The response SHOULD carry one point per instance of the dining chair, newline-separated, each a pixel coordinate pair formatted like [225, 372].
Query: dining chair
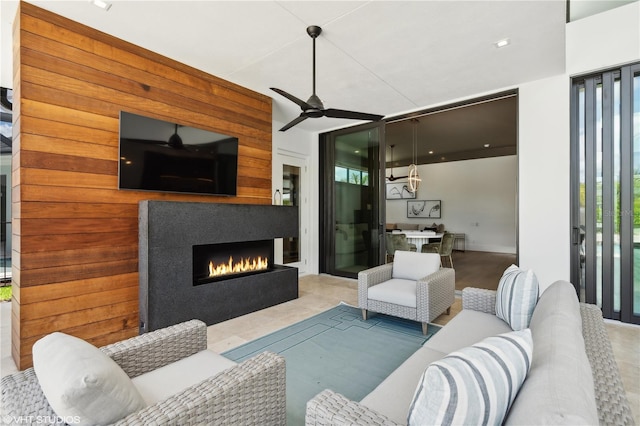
[444, 247]
[398, 242]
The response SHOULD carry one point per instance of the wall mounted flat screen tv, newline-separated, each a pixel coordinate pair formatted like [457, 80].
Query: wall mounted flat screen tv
[157, 155]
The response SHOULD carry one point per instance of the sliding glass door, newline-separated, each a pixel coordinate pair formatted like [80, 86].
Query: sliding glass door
[606, 191]
[351, 194]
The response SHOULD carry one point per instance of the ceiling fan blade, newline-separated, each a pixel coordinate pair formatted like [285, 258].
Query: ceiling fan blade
[302, 104]
[340, 113]
[292, 123]
[393, 178]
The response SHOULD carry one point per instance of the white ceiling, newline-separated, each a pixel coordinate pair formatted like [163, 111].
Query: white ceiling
[381, 57]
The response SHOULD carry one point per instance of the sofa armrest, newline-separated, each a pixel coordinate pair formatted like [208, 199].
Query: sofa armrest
[435, 293]
[22, 396]
[611, 400]
[371, 277]
[149, 351]
[331, 408]
[479, 299]
[252, 392]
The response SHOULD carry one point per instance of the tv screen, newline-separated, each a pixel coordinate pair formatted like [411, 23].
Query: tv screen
[157, 155]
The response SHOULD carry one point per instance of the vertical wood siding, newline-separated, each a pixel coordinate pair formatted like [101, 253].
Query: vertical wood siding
[75, 235]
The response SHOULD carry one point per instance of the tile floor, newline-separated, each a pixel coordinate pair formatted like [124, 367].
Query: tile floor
[321, 292]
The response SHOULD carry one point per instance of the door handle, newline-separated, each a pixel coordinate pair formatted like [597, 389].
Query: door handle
[575, 235]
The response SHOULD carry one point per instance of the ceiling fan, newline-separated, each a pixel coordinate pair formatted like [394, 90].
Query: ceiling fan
[313, 107]
[391, 177]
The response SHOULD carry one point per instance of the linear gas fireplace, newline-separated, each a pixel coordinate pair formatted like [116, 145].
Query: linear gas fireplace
[217, 262]
[211, 261]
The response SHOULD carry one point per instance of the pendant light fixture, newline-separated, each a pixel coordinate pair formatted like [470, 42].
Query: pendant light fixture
[414, 178]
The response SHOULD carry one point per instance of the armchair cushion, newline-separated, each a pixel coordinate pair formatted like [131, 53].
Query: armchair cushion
[82, 382]
[475, 385]
[516, 297]
[396, 290]
[413, 265]
[160, 384]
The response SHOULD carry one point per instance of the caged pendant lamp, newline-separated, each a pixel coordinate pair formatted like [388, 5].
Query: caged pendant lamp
[414, 177]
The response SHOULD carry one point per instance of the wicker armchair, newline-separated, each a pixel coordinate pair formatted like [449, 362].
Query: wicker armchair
[252, 392]
[433, 293]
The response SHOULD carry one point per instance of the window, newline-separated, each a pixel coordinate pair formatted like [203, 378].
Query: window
[353, 176]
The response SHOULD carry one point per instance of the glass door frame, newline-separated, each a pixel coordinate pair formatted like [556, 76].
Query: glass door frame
[283, 158]
[599, 267]
[627, 245]
[327, 231]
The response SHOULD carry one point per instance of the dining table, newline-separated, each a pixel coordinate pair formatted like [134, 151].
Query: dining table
[420, 237]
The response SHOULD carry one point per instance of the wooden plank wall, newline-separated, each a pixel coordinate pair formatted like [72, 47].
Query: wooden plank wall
[75, 235]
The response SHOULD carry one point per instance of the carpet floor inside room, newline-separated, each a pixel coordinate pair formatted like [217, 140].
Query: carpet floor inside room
[319, 293]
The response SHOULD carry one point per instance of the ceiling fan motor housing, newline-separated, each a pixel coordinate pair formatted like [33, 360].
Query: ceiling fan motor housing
[316, 103]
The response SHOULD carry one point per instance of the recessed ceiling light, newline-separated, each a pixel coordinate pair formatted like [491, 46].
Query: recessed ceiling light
[502, 43]
[430, 152]
[486, 145]
[357, 151]
[105, 5]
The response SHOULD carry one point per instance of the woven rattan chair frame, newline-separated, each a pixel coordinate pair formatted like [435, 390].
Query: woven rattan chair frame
[250, 393]
[434, 294]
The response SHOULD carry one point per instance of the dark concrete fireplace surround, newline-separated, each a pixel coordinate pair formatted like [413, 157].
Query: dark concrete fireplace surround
[167, 233]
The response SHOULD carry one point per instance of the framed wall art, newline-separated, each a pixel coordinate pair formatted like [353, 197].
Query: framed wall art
[425, 208]
[399, 191]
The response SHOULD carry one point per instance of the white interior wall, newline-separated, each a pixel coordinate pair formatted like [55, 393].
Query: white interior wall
[604, 40]
[543, 192]
[478, 199]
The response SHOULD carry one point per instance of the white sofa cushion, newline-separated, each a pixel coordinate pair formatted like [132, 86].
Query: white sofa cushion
[411, 265]
[393, 396]
[475, 385]
[81, 382]
[516, 297]
[396, 291]
[465, 329]
[559, 389]
[160, 384]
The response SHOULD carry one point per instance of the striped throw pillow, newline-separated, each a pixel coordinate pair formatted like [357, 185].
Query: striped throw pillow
[475, 385]
[516, 297]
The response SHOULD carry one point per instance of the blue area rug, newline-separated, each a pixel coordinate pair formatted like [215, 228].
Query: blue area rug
[337, 350]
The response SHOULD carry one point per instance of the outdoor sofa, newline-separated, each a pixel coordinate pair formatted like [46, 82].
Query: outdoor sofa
[573, 377]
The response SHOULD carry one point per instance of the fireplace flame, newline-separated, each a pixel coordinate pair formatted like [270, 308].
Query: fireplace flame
[236, 267]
